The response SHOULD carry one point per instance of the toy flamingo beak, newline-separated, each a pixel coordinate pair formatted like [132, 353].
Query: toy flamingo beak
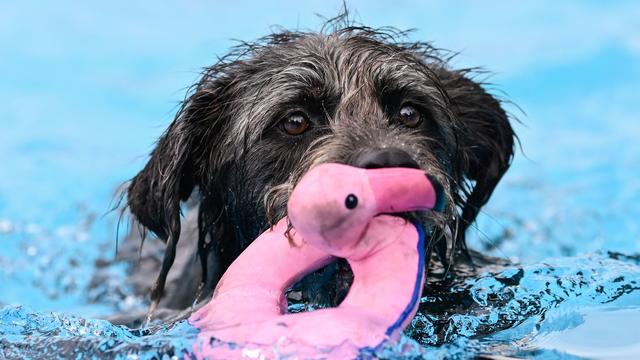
[405, 189]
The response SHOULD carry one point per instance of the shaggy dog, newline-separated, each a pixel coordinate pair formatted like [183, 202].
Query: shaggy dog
[270, 110]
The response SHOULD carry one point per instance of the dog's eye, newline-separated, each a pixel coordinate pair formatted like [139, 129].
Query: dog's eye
[410, 116]
[296, 123]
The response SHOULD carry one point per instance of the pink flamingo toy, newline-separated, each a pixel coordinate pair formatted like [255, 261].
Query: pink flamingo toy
[336, 211]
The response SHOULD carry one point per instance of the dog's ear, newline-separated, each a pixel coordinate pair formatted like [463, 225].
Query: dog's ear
[154, 195]
[486, 141]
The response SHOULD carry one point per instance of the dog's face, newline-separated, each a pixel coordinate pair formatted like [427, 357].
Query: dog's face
[268, 112]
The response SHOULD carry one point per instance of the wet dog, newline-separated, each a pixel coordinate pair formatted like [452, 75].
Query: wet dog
[270, 110]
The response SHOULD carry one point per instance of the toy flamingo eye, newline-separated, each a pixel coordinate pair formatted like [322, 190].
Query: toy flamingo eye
[351, 202]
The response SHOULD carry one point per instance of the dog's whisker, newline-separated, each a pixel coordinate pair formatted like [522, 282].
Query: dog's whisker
[493, 244]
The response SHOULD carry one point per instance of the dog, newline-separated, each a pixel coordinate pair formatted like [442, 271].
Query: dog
[270, 110]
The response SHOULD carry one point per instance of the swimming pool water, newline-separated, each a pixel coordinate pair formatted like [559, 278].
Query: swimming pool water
[86, 89]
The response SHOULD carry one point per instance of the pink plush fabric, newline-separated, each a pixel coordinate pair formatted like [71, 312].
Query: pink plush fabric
[248, 307]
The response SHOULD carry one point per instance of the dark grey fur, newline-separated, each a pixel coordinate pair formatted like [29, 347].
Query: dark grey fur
[227, 151]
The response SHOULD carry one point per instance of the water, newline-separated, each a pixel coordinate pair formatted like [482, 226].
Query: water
[86, 89]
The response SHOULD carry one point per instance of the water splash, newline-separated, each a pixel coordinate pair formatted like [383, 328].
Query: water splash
[511, 311]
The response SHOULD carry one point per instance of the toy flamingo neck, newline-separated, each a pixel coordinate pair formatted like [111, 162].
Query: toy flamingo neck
[396, 269]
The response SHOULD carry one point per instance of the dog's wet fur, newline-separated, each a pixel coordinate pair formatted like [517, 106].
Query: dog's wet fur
[268, 111]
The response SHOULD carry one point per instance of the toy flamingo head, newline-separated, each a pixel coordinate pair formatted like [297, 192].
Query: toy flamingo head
[333, 204]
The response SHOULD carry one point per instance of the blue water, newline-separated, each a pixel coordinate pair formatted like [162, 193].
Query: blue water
[85, 89]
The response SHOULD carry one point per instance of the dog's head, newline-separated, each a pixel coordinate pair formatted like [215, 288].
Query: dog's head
[266, 113]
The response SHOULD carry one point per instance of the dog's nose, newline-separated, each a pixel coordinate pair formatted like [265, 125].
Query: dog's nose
[385, 158]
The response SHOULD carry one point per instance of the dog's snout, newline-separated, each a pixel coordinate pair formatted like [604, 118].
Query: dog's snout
[385, 158]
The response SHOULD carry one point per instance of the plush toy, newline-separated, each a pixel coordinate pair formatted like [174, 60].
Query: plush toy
[336, 211]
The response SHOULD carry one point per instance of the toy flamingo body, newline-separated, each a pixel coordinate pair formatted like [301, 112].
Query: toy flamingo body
[336, 211]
